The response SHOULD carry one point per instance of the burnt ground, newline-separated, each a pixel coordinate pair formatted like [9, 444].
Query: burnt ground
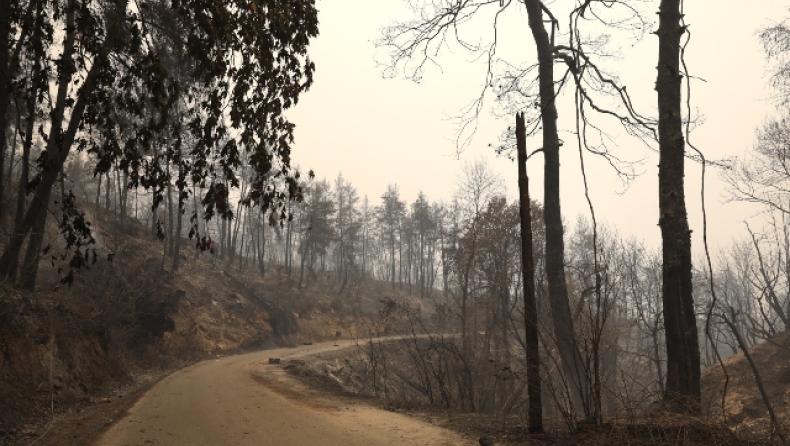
[734, 383]
[656, 429]
[67, 353]
[83, 423]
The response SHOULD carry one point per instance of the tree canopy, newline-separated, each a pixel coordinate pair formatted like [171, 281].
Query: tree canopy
[201, 84]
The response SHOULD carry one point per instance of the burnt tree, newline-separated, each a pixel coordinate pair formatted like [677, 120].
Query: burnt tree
[682, 391]
[528, 274]
[555, 244]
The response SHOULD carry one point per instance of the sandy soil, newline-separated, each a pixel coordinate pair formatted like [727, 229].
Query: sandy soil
[244, 400]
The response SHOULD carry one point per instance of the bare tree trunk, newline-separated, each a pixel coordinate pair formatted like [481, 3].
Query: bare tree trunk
[304, 257]
[392, 250]
[241, 225]
[528, 277]
[170, 217]
[421, 264]
[195, 194]
[555, 245]
[288, 260]
[262, 244]
[9, 174]
[98, 191]
[107, 190]
[58, 147]
[5, 83]
[122, 194]
[223, 236]
[21, 197]
[30, 263]
[177, 234]
[683, 357]
[9, 64]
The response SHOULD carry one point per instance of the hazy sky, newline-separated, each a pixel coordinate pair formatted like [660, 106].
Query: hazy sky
[379, 131]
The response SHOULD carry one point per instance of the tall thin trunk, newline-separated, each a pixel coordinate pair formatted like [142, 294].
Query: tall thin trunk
[233, 234]
[392, 249]
[169, 245]
[421, 265]
[30, 263]
[264, 223]
[242, 226]
[180, 206]
[123, 193]
[154, 204]
[555, 245]
[682, 391]
[21, 196]
[58, 147]
[107, 191]
[444, 265]
[304, 257]
[10, 172]
[222, 223]
[177, 235]
[9, 64]
[98, 191]
[5, 86]
[196, 206]
[288, 235]
[262, 247]
[408, 259]
[528, 281]
[400, 257]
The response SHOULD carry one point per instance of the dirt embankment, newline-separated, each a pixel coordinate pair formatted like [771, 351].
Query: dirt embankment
[129, 322]
[744, 409]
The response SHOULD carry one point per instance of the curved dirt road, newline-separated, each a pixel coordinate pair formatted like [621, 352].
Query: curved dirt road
[242, 400]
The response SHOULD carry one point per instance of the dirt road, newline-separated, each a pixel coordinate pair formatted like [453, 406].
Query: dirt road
[243, 400]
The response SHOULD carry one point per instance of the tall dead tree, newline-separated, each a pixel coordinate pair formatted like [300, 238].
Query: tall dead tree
[5, 85]
[528, 275]
[555, 244]
[682, 391]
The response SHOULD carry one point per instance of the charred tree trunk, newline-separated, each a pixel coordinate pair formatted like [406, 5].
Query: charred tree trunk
[304, 257]
[30, 263]
[528, 276]
[5, 87]
[123, 193]
[555, 245]
[177, 236]
[392, 252]
[107, 191]
[288, 235]
[262, 247]
[170, 216]
[58, 147]
[241, 227]
[222, 223]
[682, 391]
[21, 197]
[98, 191]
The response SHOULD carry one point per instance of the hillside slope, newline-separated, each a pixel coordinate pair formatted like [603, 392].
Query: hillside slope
[129, 319]
[744, 408]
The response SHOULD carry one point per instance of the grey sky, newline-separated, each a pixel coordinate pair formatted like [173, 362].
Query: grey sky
[379, 131]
